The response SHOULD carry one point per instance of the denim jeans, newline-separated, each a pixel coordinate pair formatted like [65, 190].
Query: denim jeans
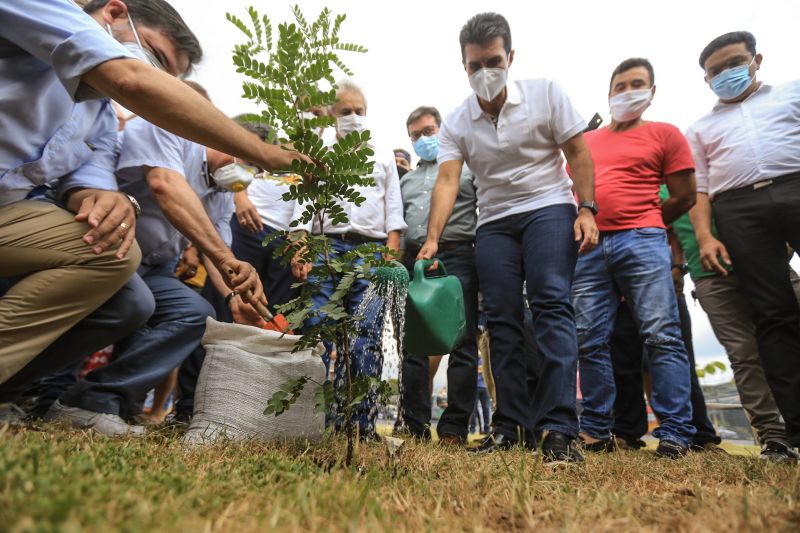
[367, 357]
[57, 366]
[635, 264]
[462, 366]
[482, 413]
[142, 360]
[538, 247]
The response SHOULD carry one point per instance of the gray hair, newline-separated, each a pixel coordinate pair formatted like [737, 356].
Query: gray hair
[347, 85]
[424, 111]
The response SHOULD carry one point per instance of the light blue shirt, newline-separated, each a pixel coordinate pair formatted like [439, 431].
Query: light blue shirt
[55, 132]
[147, 146]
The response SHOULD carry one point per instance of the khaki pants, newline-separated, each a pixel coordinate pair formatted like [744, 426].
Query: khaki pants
[62, 279]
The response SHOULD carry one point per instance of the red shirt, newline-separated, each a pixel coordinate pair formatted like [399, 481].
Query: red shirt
[629, 167]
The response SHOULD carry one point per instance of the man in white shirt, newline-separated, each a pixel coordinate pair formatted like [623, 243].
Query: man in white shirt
[512, 136]
[747, 159]
[378, 219]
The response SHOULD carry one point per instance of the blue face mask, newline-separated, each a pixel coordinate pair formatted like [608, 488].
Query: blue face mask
[730, 84]
[427, 148]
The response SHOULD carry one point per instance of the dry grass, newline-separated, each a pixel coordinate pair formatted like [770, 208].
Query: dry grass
[62, 480]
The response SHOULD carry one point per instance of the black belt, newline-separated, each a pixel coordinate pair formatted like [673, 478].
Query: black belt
[747, 189]
[353, 237]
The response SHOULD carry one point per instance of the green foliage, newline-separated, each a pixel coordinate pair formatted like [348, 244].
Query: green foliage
[711, 368]
[285, 79]
[286, 396]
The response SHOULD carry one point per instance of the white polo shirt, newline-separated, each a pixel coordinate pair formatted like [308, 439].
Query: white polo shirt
[736, 145]
[518, 165]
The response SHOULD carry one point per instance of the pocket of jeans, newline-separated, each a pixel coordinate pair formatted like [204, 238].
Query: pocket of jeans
[650, 232]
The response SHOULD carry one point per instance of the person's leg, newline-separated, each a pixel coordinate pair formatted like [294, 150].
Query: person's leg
[550, 254]
[596, 303]
[498, 257]
[64, 281]
[731, 320]
[125, 312]
[705, 428]
[462, 366]
[630, 408]
[641, 264]
[416, 396]
[145, 358]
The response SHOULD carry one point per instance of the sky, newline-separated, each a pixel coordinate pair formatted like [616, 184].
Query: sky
[414, 59]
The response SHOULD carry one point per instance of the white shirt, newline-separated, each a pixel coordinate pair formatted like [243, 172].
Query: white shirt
[518, 165]
[382, 210]
[740, 144]
[147, 146]
[267, 197]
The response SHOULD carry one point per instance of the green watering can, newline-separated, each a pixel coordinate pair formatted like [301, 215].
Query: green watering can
[435, 319]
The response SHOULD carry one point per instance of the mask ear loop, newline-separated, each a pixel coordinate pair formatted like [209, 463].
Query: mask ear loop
[135, 33]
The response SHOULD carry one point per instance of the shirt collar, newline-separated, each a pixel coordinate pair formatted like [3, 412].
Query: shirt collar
[513, 97]
[762, 89]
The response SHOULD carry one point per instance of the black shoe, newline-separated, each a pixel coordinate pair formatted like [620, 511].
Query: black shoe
[558, 448]
[628, 444]
[775, 452]
[493, 443]
[602, 445]
[668, 449]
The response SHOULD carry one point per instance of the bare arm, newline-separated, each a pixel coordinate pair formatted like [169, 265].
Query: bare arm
[242, 312]
[711, 249]
[183, 209]
[443, 198]
[169, 103]
[682, 195]
[580, 161]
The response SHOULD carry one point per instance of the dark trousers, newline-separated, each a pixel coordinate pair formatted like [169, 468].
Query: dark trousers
[57, 365]
[538, 247]
[277, 280]
[755, 225]
[462, 367]
[630, 410]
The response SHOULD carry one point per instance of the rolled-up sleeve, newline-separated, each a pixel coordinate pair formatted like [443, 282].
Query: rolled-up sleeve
[98, 171]
[394, 200]
[59, 34]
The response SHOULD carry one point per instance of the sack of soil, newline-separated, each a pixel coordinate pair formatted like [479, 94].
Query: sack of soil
[243, 368]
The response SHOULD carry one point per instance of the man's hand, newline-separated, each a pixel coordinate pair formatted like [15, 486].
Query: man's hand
[189, 263]
[393, 243]
[586, 231]
[111, 216]
[275, 157]
[243, 279]
[677, 279]
[245, 313]
[246, 213]
[710, 251]
[300, 268]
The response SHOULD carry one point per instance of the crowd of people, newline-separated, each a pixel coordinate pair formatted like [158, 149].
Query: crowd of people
[129, 231]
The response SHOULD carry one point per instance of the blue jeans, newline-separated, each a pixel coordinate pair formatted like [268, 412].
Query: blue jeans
[462, 366]
[634, 264]
[367, 357]
[142, 360]
[537, 247]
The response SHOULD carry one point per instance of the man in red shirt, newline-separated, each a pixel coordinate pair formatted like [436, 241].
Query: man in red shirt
[632, 158]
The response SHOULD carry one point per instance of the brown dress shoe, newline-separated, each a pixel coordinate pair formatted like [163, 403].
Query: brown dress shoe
[450, 440]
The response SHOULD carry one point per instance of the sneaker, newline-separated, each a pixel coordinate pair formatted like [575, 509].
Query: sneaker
[777, 452]
[598, 446]
[709, 447]
[103, 423]
[668, 449]
[558, 448]
[11, 414]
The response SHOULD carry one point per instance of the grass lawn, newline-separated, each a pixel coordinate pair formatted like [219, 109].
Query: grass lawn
[56, 479]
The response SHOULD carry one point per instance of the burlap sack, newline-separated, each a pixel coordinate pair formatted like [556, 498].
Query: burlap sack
[244, 367]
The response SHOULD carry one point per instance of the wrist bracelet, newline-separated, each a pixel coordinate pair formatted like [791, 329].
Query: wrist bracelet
[229, 297]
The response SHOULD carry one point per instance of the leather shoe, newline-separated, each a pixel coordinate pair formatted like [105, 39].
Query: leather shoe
[493, 443]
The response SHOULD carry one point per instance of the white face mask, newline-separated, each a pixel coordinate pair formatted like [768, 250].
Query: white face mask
[488, 82]
[139, 51]
[630, 105]
[234, 177]
[350, 123]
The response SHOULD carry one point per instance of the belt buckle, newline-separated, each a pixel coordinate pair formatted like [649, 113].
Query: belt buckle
[762, 184]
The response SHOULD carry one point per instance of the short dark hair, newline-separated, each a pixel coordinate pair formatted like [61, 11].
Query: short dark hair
[262, 130]
[423, 111]
[630, 63]
[734, 37]
[483, 28]
[158, 14]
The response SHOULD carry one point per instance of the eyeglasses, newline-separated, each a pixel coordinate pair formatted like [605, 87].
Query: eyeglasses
[427, 131]
[733, 62]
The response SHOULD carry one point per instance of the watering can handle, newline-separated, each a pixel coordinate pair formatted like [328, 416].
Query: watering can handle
[421, 267]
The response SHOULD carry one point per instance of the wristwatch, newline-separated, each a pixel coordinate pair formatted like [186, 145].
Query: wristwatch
[591, 205]
[683, 267]
[137, 209]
